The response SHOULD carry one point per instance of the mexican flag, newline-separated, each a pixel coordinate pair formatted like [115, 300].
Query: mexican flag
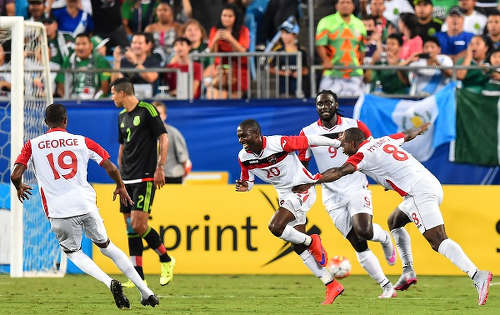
[478, 129]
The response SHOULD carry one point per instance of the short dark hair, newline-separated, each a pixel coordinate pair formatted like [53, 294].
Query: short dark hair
[81, 35]
[493, 12]
[398, 37]
[147, 36]
[410, 21]
[123, 85]
[250, 124]
[354, 135]
[432, 39]
[55, 114]
[369, 17]
[182, 39]
[327, 92]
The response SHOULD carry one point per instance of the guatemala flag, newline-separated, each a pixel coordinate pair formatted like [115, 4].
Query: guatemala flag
[385, 116]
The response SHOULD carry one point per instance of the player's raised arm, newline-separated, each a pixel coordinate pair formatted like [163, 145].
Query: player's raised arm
[120, 186]
[16, 178]
[411, 134]
[292, 143]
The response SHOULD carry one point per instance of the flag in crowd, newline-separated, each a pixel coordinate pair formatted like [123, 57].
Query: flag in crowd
[478, 129]
[385, 116]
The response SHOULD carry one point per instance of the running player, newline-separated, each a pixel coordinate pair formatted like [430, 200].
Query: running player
[60, 160]
[398, 170]
[273, 160]
[348, 200]
[140, 130]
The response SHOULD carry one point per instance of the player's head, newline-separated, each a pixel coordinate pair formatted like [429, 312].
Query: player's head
[351, 139]
[327, 104]
[120, 89]
[161, 108]
[56, 116]
[249, 135]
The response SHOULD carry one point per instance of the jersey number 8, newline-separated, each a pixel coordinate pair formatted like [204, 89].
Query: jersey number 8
[397, 155]
[66, 166]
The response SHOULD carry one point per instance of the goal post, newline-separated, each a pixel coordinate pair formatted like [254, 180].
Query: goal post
[34, 251]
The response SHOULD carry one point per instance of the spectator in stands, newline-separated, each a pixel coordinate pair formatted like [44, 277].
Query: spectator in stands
[207, 12]
[99, 45]
[455, 40]
[72, 19]
[276, 13]
[84, 85]
[412, 42]
[197, 35]
[442, 7]
[474, 22]
[108, 23]
[332, 35]
[373, 37]
[138, 56]
[136, 15]
[430, 81]
[60, 45]
[178, 86]
[50, 5]
[4, 74]
[492, 87]
[394, 8]
[230, 35]
[286, 66]
[36, 10]
[7, 7]
[427, 25]
[493, 27]
[389, 81]
[164, 31]
[178, 164]
[377, 8]
[476, 54]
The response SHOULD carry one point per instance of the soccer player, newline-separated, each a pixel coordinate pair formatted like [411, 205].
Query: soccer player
[398, 170]
[273, 160]
[348, 201]
[60, 159]
[140, 132]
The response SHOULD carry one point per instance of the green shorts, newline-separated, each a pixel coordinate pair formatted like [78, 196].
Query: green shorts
[142, 194]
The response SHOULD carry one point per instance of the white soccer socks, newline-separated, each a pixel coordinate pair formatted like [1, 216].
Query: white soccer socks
[403, 243]
[123, 263]
[370, 263]
[379, 235]
[451, 250]
[293, 236]
[321, 272]
[88, 266]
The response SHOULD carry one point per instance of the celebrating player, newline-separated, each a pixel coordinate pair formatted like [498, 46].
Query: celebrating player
[60, 159]
[398, 170]
[348, 200]
[273, 160]
[140, 129]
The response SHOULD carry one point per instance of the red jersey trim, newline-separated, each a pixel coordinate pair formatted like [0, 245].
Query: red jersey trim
[363, 143]
[56, 129]
[292, 143]
[94, 146]
[355, 159]
[315, 177]
[397, 189]
[364, 128]
[339, 121]
[267, 164]
[25, 155]
[139, 180]
[397, 136]
[303, 152]
[44, 202]
[244, 171]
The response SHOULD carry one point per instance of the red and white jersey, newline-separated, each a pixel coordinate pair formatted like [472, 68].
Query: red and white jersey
[390, 165]
[60, 162]
[277, 163]
[328, 157]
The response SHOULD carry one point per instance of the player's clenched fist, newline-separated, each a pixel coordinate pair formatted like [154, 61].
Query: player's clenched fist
[241, 185]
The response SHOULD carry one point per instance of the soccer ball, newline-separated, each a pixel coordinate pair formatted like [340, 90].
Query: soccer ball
[339, 266]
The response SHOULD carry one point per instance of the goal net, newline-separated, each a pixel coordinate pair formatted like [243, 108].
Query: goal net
[34, 250]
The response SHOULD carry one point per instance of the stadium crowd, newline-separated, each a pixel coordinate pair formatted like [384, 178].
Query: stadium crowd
[160, 34]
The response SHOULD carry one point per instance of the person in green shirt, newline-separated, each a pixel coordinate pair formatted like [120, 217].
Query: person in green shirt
[60, 45]
[492, 87]
[476, 54]
[85, 85]
[441, 7]
[137, 14]
[340, 40]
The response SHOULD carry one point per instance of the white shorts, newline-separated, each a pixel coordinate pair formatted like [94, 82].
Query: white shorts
[352, 86]
[298, 204]
[353, 203]
[422, 206]
[69, 230]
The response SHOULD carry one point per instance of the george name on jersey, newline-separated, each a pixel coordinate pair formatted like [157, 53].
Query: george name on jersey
[57, 143]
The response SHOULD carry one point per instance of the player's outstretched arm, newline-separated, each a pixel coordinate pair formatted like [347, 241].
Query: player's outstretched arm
[16, 177]
[120, 186]
[335, 173]
[411, 134]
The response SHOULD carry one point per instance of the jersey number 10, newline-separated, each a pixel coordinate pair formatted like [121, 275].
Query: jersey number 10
[73, 166]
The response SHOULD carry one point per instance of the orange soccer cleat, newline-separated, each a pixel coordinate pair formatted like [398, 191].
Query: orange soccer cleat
[333, 289]
[317, 250]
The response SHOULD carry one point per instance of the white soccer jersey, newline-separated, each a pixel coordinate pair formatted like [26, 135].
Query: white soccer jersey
[60, 163]
[328, 157]
[390, 165]
[277, 163]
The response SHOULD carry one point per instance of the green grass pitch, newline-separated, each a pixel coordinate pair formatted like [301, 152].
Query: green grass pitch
[225, 294]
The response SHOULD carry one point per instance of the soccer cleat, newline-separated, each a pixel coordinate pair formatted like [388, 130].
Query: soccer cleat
[389, 250]
[317, 250]
[388, 292]
[151, 300]
[120, 299]
[406, 280]
[482, 283]
[333, 289]
[167, 271]
[129, 284]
